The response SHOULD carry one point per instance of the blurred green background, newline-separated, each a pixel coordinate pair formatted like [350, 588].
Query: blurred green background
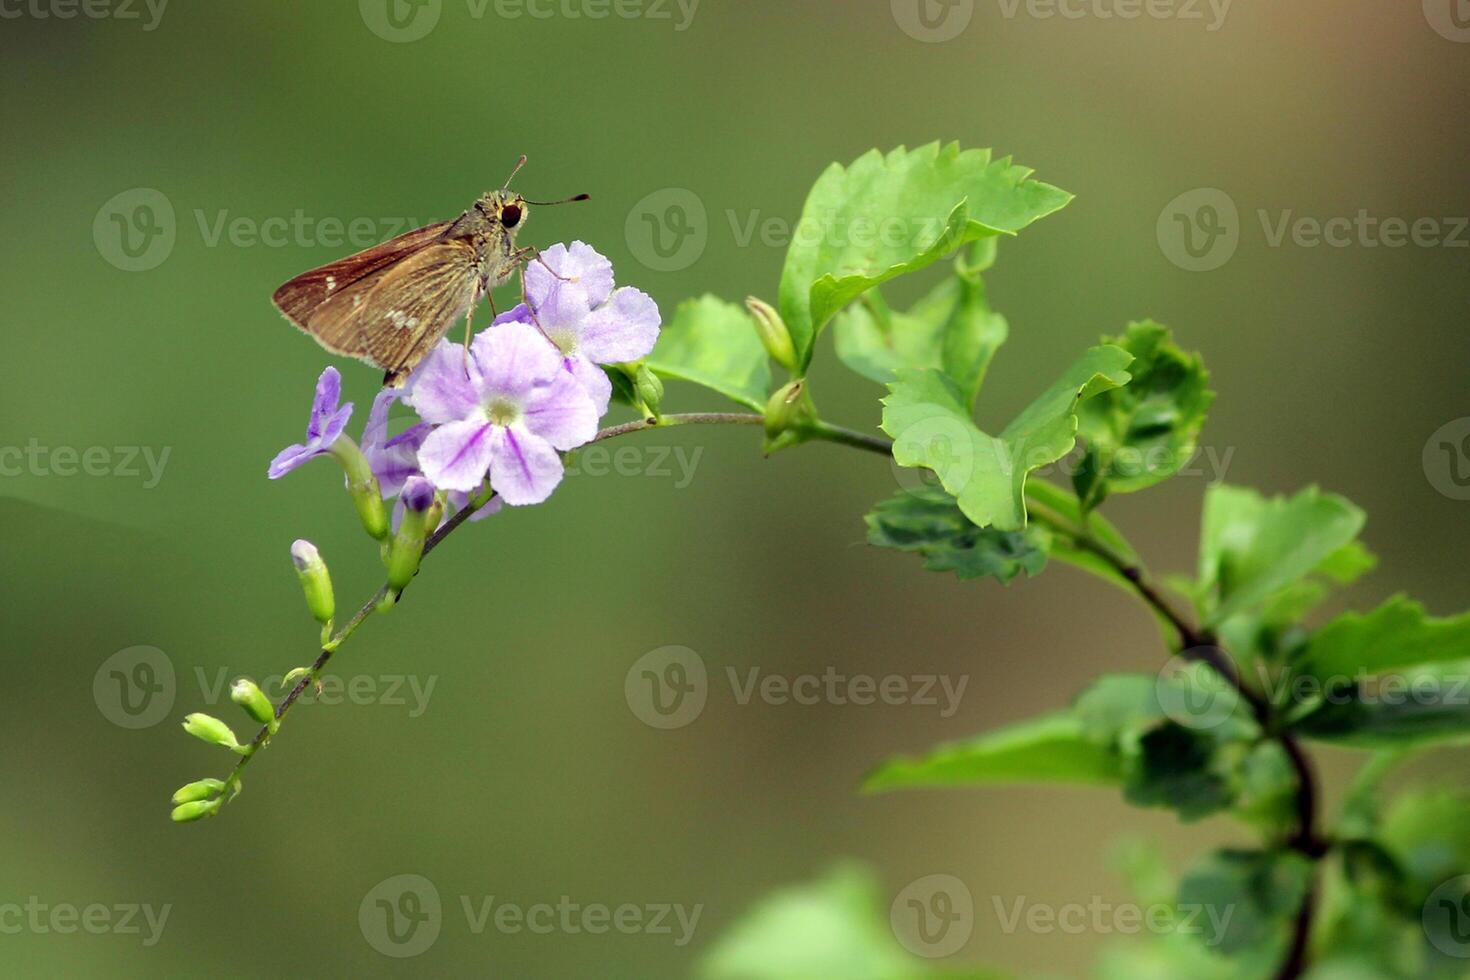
[525, 776]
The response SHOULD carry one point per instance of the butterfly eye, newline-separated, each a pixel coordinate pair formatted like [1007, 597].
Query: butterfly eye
[510, 216]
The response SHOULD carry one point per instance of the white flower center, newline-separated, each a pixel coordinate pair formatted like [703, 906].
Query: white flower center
[503, 411]
[564, 338]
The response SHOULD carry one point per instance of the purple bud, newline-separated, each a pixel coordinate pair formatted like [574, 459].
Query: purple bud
[418, 494]
[304, 554]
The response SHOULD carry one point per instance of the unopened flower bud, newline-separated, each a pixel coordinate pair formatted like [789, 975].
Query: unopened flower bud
[773, 333]
[367, 497]
[211, 730]
[789, 416]
[421, 510]
[316, 581]
[200, 790]
[247, 695]
[650, 389]
[194, 810]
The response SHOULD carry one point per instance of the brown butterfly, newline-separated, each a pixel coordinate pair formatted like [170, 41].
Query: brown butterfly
[391, 304]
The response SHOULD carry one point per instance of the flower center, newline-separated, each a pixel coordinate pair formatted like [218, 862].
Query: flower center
[502, 411]
[565, 340]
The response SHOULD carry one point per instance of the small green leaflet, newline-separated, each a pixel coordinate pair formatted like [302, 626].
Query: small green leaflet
[1399, 633]
[1252, 547]
[1146, 432]
[929, 420]
[1420, 706]
[928, 521]
[885, 216]
[714, 343]
[952, 329]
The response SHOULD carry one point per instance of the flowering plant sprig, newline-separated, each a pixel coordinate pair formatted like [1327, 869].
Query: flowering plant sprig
[1222, 730]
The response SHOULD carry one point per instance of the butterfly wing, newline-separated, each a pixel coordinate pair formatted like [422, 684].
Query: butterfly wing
[299, 298]
[391, 318]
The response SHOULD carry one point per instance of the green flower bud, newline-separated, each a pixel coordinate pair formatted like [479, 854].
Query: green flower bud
[316, 581]
[790, 415]
[363, 487]
[247, 695]
[650, 389]
[195, 810]
[201, 790]
[771, 329]
[421, 511]
[211, 730]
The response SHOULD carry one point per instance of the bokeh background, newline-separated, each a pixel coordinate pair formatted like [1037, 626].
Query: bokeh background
[524, 775]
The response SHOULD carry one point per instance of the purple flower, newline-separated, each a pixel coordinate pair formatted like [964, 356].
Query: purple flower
[393, 460]
[322, 429]
[585, 317]
[505, 413]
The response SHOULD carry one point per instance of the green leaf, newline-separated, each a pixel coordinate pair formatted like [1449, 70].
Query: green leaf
[1399, 633]
[928, 418]
[714, 343]
[1252, 547]
[885, 216]
[1408, 709]
[1253, 895]
[952, 330]
[1052, 748]
[928, 521]
[1175, 767]
[1144, 433]
[834, 928]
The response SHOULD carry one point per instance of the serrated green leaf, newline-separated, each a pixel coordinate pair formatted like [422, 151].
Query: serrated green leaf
[930, 423]
[1254, 894]
[1145, 432]
[928, 521]
[1399, 633]
[1052, 748]
[1252, 547]
[714, 343]
[952, 329]
[885, 216]
[1175, 767]
[1415, 707]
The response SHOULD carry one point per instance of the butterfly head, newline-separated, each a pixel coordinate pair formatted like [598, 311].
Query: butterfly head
[505, 208]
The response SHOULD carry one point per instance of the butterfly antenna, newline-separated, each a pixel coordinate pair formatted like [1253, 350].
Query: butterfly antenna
[519, 164]
[565, 200]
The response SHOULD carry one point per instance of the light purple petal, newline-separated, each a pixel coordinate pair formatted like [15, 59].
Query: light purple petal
[625, 329]
[561, 412]
[521, 314]
[292, 457]
[324, 405]
[594, 381]
[440, 390]
[524, 469]
[375, 433]
[333, 425]
[580, 263]
[456, 455]
[513, 359]
[562, 314]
